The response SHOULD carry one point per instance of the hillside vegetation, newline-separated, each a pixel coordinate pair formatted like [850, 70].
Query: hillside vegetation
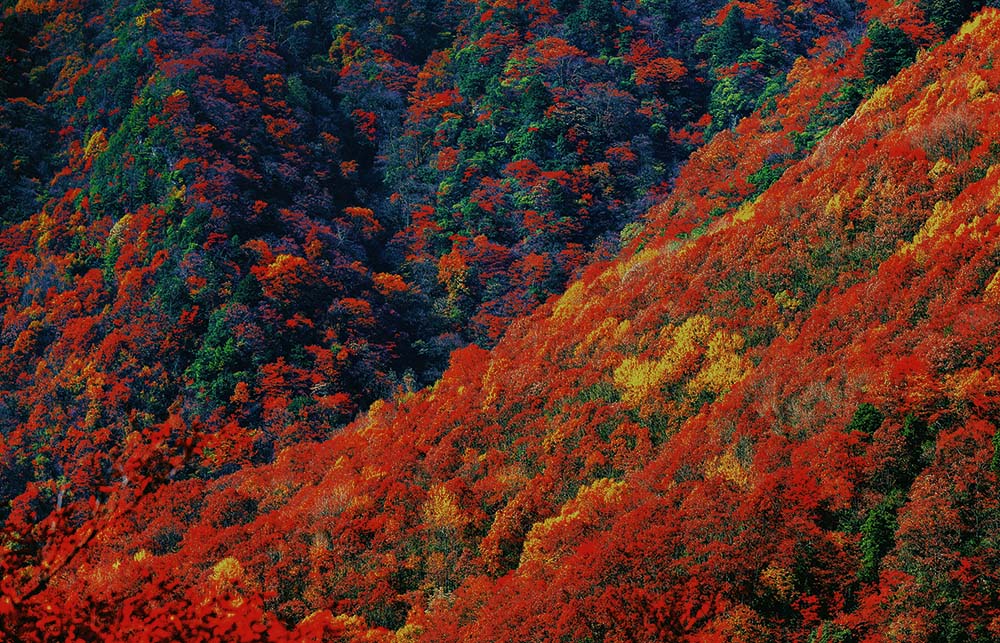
[770, 415]
[261, 217]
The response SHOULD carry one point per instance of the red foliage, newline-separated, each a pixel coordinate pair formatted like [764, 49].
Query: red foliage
[773, 418]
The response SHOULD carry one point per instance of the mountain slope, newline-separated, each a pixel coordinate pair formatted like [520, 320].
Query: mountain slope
[256, 219]
[780, 427]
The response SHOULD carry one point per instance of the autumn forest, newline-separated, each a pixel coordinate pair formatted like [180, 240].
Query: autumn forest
[598, 321]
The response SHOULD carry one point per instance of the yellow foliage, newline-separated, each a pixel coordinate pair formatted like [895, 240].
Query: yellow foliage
[116, 230]
[969, 384]
[779, 580]
[409, 633]
[834, 205]
[178, 193]
[319, 546]
[608, 333]
[453, 271]
[972, 25]
[692, 332]
[970, 229]
[101, 574]
[496, 378]
[637, 379]
[602, 492]
[785, 300]
[338, 623]
[534, 544]
[93, 414]
[879, 101]
[977, 86]
[635, 263]
[928, 104]
[740, 624]
[511, 476]
[554, 437]
[723, 365]
[569, 303]
[441, 510]
[142, 19]
[992, 293]
[728, 466]
[746, 211]
[227, 570]
[140, 555]
[96, 144]
[375, 409]
[375, 419]
[932, 224]
[337, 498]
[940, 168]
[606, 489]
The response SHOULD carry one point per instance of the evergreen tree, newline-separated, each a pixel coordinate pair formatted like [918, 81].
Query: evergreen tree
[891, 50]
[949, 14]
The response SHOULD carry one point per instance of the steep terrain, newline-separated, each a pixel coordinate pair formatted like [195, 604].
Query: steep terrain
[772, 418]
[255, 219]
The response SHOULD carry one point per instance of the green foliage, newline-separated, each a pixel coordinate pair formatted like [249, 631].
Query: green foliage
[949, 14]
[867, 419]
[995, 462]
[773, 88]
[600, 392]
[726, 43]
[25, 154]
[536, 97]
[298, 94]
[216, 367]
[169, 292]
[728, 102]
[891, 50]
[765, 177]
[746, 67]
[134, 168]
[878, 534]
[830, 632]
[919, 437]
[833, 109]
[594, 25]
[472, 76]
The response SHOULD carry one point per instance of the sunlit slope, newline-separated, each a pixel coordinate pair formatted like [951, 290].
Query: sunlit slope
[782, 427]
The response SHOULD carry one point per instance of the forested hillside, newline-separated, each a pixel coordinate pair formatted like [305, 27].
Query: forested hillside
[712, 288]
[259, 218]
[263, 217]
